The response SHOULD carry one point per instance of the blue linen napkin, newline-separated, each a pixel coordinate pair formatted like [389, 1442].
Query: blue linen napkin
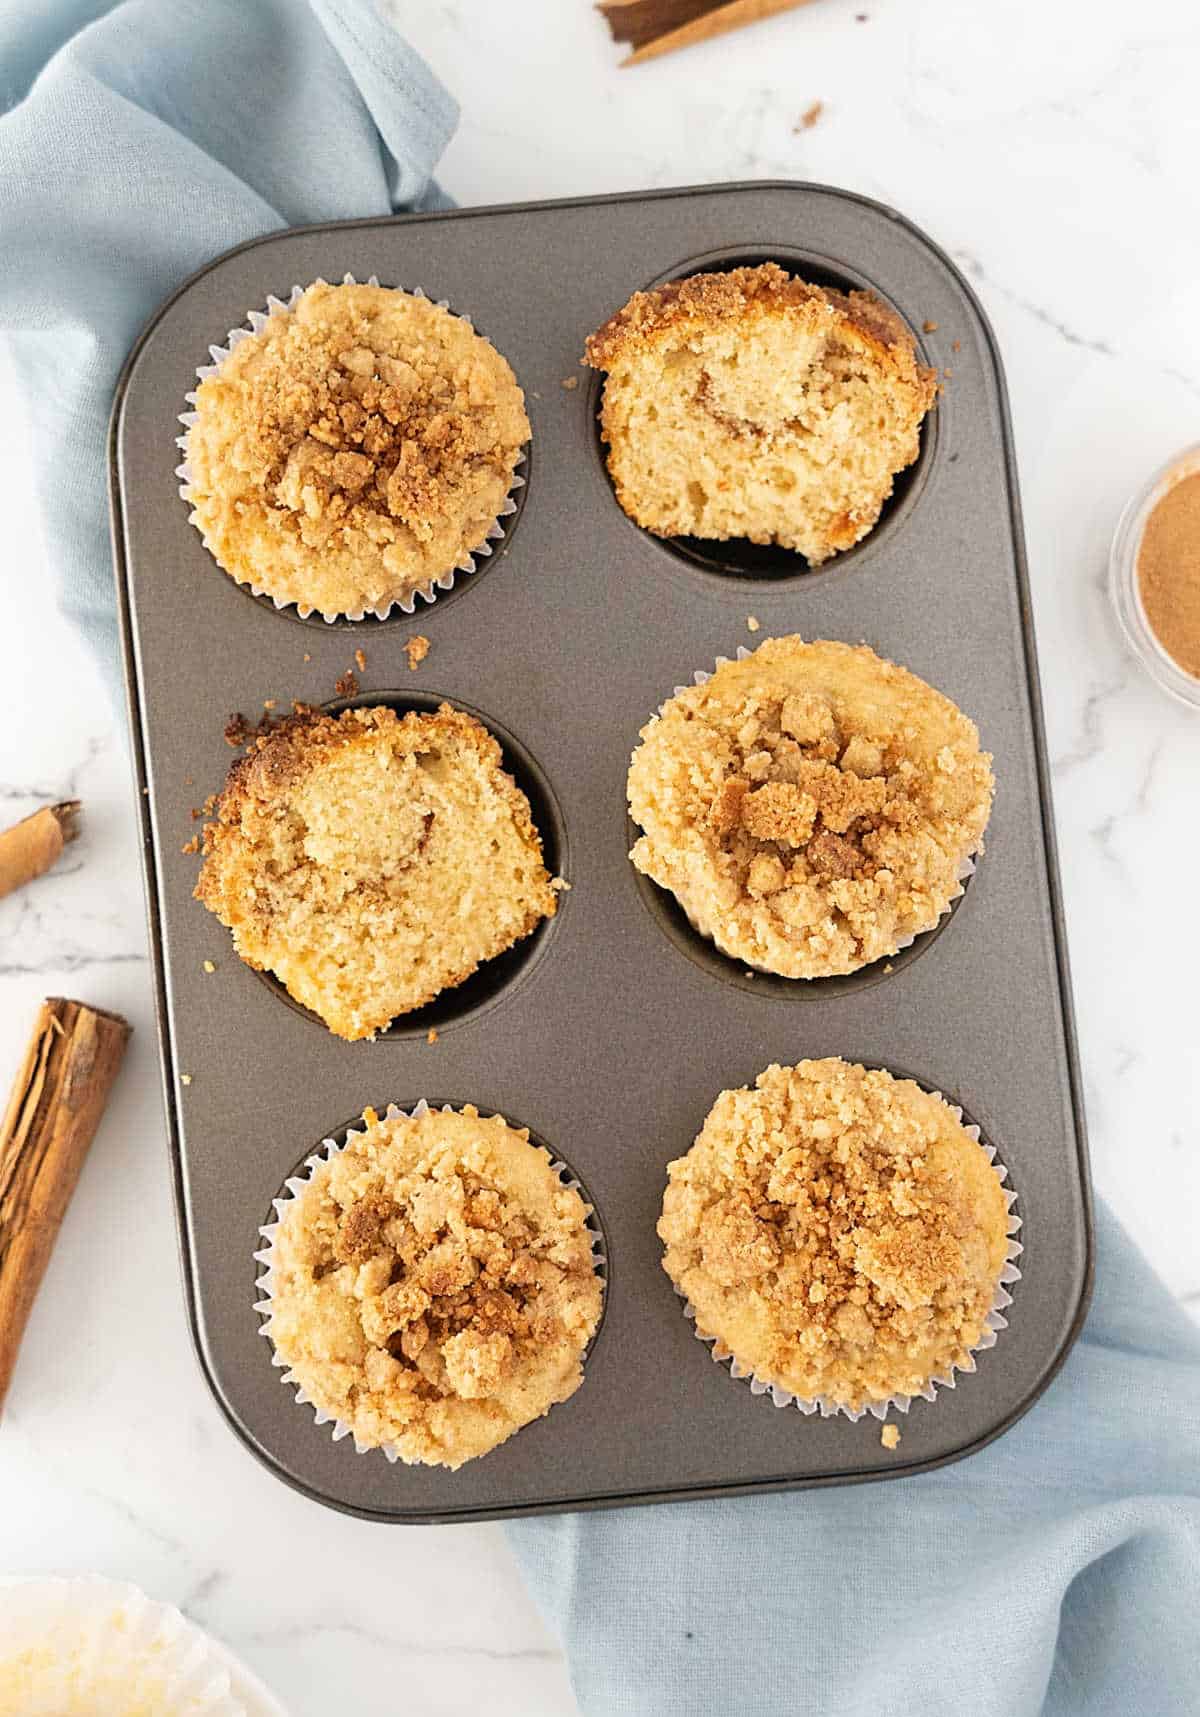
[138, 142]
[1056, 1572]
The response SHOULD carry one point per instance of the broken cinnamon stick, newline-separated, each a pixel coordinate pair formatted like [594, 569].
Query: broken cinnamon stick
[654, 27]
[56, 1104]
[31, 846]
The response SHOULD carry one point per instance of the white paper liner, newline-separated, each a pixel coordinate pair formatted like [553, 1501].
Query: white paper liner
[89, 1647]
[407, 604]
[966, 869]
[296, 1183]
[993, 1323]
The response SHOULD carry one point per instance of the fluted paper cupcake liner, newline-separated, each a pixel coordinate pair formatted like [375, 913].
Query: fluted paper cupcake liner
[407, 604]
[993, 1324]
[966, 867]
[296, 1184]
[89, 1647]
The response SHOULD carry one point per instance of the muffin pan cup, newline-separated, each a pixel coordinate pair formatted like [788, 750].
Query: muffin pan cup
[611, 1045]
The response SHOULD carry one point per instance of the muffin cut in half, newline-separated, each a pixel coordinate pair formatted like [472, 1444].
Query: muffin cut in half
[839, 1232]
[432, 1285]
[751, 404]
[355, 449]
[371, 860]
[812, 807]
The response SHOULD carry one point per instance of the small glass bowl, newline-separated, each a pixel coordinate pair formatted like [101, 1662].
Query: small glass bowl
[1125, 589]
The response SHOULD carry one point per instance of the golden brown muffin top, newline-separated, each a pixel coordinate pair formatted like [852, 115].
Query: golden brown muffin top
[838, 1231]
[373, 860]
[433, 1285]
[355, 449]
[810, 806]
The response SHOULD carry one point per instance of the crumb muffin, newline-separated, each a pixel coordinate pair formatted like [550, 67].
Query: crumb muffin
[838, 1231]
[811, 806]
[354, 450]
[432, 1285]
[372, 861]
[751, 404]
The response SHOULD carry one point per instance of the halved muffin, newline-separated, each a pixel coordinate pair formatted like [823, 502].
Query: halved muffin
[372, 861]
[751, 404]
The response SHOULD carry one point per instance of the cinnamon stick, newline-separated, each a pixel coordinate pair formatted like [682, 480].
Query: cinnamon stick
[31, 846]
[654, 27]
[56, 1104]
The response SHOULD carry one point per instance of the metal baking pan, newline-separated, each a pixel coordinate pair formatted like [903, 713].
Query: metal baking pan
[611, 1032]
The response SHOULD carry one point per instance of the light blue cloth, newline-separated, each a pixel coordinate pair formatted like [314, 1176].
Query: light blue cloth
[1059, 1570]
[1056, 1572]
[140, 141]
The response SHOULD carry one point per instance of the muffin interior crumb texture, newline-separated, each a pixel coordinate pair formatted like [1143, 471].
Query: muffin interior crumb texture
[354, 450]
[838, 1231]
[372, 861]
[433, 1285]
[811, 806]
[751, 404]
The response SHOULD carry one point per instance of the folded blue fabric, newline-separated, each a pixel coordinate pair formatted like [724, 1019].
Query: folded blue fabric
[140, 141]
[1056, 1572]
[1059, 1570]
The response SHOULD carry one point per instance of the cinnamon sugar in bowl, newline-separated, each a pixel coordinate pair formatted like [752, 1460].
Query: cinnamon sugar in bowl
[1154, 576]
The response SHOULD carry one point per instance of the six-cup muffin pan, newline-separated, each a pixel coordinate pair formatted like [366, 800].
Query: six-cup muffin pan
[611, 1030]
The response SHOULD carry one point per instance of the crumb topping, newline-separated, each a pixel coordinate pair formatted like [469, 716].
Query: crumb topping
[371, 861]
[811, 806]
[837, 1230]
[355, 449]
[433, 1285]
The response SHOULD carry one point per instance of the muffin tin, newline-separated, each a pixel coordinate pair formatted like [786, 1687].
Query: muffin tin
[610, 1033]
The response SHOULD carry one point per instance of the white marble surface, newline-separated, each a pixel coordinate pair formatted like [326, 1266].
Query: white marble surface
[1052, 151]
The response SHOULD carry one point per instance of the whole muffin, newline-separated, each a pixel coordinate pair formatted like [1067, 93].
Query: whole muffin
[751, 404]
[372, 861]
[838, 1231]
[432, 1285]
[354, 450]
[811, 806]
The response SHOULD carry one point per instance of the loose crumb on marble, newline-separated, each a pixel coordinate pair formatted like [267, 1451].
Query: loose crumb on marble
[416, 649]
[209, 966]
[431, 1035]
[270, 703]
[890, 1436]
[307, 656]
[360, 657]
[956, 345]
[185, 1079]
[570, 383]
[192, 846]
[948, 374]
[346, 685]
[809, 117]
[929, 327]
[753, 622]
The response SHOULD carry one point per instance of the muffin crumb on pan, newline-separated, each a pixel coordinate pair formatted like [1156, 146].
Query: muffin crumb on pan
[372, 861]
[432, 1286]
[356, 448]
[752, 404]
[840, 1233]
[812, 807]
